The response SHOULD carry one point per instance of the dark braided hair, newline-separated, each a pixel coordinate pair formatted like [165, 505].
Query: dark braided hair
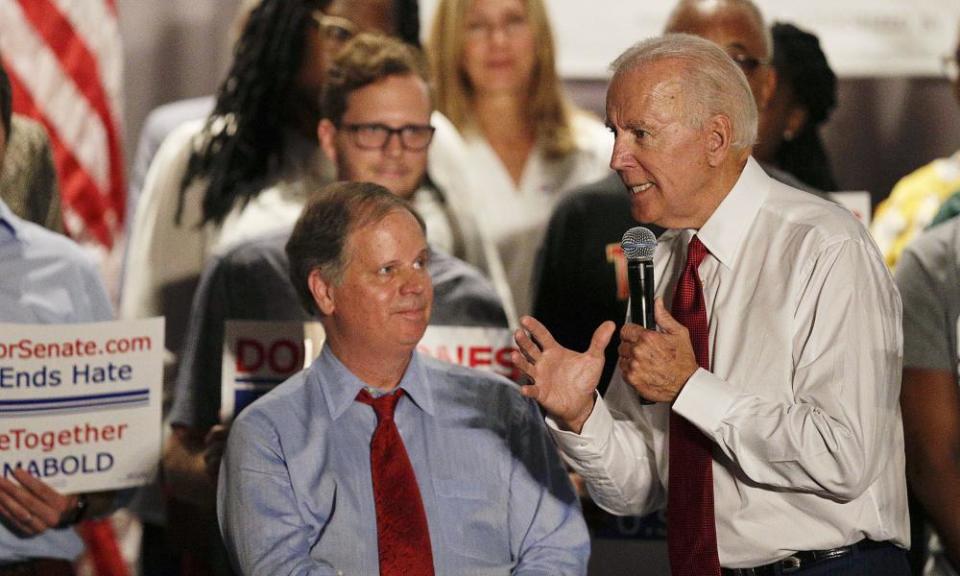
[6, 102]
[243, 136]
[407, 17]
[801, 64]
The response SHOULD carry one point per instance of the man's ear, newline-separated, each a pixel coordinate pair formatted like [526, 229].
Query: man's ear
[327, 134]
[719, 132]
[796, 120]
[322, 292]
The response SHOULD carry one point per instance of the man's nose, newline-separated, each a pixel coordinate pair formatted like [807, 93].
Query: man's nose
[393, 146]
[622, 156]
[415, 281]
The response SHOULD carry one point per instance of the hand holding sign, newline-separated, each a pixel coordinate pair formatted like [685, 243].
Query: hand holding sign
[563, 381]
[31, 506]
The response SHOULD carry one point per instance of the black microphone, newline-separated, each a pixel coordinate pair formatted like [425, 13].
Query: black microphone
[638, 245]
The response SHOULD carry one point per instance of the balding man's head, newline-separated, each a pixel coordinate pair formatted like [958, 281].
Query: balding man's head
[738, 27]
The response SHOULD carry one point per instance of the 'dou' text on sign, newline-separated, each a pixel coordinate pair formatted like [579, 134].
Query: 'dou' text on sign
[258, 355]
[80, 403]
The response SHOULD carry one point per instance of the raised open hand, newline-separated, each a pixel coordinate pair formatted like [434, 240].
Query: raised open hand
[561, 381]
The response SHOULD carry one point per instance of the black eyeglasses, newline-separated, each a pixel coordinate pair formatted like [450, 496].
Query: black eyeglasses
[747, 63]
[414, 137]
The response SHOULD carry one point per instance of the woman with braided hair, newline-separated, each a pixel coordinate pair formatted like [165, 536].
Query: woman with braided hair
[806, 94]
[240, 172]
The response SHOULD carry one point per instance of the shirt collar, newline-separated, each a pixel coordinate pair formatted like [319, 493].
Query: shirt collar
[340, 386]
[723, 233]
[9, 223]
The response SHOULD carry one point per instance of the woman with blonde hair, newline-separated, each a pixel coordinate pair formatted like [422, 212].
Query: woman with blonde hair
[526, 145]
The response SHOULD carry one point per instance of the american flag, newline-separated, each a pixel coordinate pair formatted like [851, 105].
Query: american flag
[65, 62]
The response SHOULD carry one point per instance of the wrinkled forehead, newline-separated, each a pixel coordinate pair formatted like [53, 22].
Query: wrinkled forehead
[655, 89]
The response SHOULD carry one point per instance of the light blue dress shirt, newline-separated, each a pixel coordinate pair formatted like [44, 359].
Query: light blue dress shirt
[44, 279]
[295, 494]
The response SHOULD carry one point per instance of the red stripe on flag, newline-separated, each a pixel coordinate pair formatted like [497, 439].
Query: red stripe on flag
[77, 61]
[101, 541]
[77, 188]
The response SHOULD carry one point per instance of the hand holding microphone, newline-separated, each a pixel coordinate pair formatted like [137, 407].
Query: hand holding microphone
[656, 364]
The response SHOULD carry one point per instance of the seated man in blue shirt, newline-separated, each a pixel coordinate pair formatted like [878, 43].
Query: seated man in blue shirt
[46, 280]
[310, 479]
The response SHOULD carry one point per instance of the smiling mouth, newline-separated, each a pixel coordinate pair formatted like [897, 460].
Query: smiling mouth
[412, 312]
[640, 188]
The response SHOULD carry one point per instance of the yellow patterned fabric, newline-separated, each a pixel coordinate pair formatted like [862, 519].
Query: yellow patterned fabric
[28, 181]
[912, 204]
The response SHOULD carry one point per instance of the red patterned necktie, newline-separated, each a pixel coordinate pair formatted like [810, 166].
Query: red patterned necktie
[692, 531]
[403, 539]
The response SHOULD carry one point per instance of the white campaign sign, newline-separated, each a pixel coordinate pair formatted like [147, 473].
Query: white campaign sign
[259, 355]
[80, 404]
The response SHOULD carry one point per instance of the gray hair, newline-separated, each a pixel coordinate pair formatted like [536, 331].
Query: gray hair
[333, 213]
[713, 83]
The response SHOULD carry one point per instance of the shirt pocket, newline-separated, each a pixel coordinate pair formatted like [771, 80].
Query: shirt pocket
[474, 519]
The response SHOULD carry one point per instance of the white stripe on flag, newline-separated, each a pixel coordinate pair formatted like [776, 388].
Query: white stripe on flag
[97, 26]
[55, 93]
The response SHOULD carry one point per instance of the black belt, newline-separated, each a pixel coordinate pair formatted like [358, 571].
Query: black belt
[805, 559]
[38, 567]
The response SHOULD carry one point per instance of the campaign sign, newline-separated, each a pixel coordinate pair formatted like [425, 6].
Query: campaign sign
[259, 355]
[80, 403]
[481, 348]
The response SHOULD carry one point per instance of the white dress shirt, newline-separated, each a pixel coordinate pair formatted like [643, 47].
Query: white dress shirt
[801, 399]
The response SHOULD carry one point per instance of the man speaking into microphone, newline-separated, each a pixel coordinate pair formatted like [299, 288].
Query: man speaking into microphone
[774, 440]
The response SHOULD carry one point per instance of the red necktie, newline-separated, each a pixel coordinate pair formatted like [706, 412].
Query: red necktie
[403, 539]
[692, 531]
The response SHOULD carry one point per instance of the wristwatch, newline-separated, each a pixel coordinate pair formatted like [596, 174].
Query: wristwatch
[76, 515]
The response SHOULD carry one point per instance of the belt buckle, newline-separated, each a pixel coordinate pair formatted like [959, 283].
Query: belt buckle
[790, 564]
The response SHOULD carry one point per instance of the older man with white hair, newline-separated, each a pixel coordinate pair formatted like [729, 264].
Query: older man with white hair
[775, 440]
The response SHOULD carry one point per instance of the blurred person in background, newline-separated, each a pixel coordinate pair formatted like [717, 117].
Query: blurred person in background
[917, 197]
[28, 181]
[928, 276]
[526, 144]
[804, 96]
[231, 176]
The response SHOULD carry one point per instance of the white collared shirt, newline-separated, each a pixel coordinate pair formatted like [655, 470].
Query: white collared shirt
[801, 399]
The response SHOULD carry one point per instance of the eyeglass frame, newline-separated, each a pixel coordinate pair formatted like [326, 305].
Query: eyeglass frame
[747, 63]
[354, 129]
[327, 23]
[485, 29]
